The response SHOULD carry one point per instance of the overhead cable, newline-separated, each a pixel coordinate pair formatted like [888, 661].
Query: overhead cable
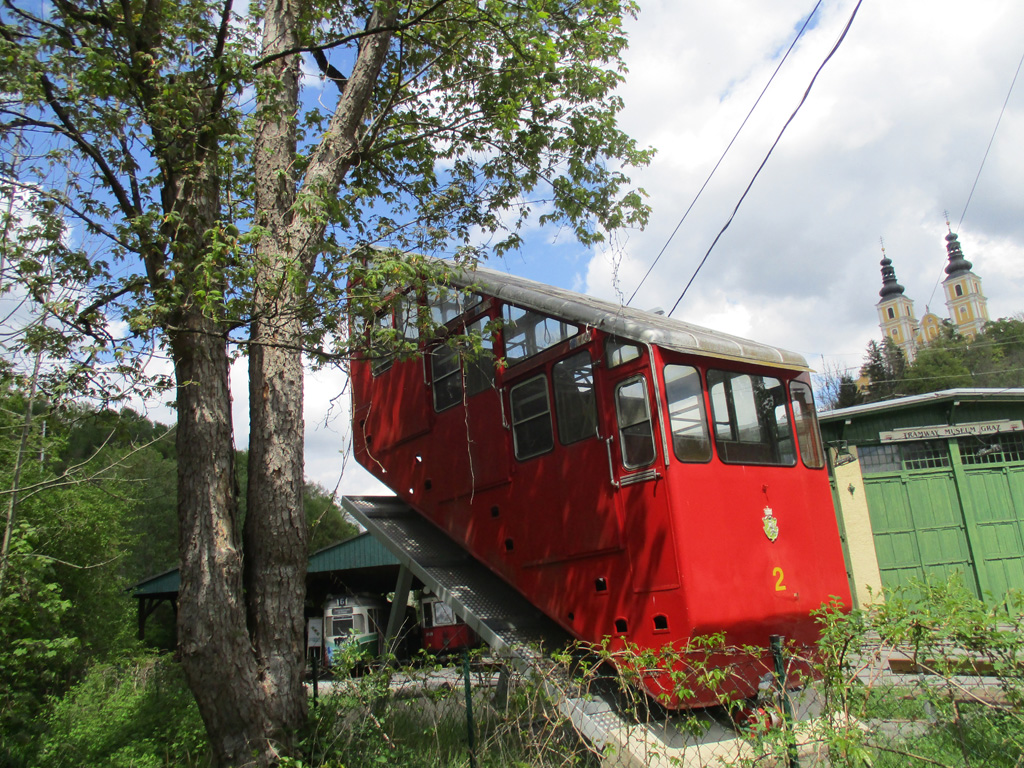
[731, 141]
[831, 53]
[983, 159]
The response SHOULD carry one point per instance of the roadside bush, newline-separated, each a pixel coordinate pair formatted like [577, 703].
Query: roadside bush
[135, 714]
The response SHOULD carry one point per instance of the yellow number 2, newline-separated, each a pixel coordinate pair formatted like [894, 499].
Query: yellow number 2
[779, 586]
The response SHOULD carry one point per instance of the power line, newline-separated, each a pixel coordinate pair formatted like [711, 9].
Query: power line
[983, 159]
[992, 139]
[831, 53]
[728, 147]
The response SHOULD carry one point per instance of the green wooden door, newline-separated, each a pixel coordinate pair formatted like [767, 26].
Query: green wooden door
[939, 508]
[919, 530]
[993, 499]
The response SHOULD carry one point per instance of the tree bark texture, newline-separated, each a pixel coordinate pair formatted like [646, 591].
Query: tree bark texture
[214, 637]
[275, 526]
[213, 640]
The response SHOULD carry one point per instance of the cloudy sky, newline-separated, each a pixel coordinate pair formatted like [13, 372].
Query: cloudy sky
[891, 137]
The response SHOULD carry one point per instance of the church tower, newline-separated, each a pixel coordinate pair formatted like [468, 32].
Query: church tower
[967, 305]
[896, 311]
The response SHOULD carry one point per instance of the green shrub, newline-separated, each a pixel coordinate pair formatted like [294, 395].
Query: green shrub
[135, 714]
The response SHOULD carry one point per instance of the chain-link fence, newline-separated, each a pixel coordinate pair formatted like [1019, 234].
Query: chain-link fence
[932, 678]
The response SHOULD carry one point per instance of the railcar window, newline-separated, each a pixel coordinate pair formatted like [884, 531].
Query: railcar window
[531, 418]
[575, 403]
[685, 398]
[443, 615]
[636, 435]
[382, 338]
[407, 318]
[448, 303]
[750, 418]
[480, 365]
[619, 352]
[528, 333]
[343, 626]
[446, 374]
[805, 419]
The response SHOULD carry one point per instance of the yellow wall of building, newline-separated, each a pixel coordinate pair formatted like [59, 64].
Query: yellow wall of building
[860, 540]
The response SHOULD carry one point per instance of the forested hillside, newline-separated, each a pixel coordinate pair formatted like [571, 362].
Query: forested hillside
[90, 509]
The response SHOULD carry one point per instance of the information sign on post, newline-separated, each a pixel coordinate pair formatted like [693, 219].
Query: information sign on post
[315, 633]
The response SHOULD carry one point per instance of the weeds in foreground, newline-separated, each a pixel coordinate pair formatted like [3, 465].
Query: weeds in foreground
[929, 678]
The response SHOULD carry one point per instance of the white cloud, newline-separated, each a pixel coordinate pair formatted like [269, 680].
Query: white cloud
[892, 135]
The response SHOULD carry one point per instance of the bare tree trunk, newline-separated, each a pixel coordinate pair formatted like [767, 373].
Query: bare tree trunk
[275, 525]
[213, 639]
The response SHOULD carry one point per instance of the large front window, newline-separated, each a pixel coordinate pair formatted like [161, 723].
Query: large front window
[751, 419]
[806, 421]
[685, 399]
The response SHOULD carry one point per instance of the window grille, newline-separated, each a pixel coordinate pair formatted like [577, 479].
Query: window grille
[894, 457]
[1008, 447]
[879, 458]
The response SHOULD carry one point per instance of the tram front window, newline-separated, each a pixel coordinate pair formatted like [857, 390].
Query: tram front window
[751, 419]
[685, 399]
[346, 625]
[806, 421]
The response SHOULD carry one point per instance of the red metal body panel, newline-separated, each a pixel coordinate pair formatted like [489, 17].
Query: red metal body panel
[679, 552]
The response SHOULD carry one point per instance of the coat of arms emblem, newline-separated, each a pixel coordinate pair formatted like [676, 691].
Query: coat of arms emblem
[771, 525]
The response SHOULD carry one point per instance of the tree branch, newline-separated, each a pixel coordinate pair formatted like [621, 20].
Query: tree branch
[329, 71]
[391, 28]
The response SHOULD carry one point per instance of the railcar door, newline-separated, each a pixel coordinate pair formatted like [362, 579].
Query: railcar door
[634, 437]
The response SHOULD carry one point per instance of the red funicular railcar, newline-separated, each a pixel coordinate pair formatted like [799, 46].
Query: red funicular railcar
[635, 477]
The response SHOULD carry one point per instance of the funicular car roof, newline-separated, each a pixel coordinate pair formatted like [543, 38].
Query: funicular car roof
[620, 321]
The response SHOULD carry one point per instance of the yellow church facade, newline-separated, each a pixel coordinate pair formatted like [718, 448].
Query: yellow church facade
[965, 303]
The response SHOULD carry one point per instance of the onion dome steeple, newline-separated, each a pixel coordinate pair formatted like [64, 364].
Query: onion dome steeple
[957, 265]
[896, 311]
[890, 288]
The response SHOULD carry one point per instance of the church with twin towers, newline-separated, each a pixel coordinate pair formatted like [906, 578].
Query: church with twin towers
[965, 304]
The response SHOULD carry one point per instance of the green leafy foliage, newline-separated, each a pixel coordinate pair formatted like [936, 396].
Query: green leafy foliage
[37, 651]
[134, 713]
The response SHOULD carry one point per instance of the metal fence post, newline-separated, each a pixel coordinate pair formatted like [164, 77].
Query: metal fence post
[471, 730]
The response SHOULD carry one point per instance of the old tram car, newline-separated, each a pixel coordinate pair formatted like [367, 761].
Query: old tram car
[635, 477]
[353, 623]
[441, 630]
